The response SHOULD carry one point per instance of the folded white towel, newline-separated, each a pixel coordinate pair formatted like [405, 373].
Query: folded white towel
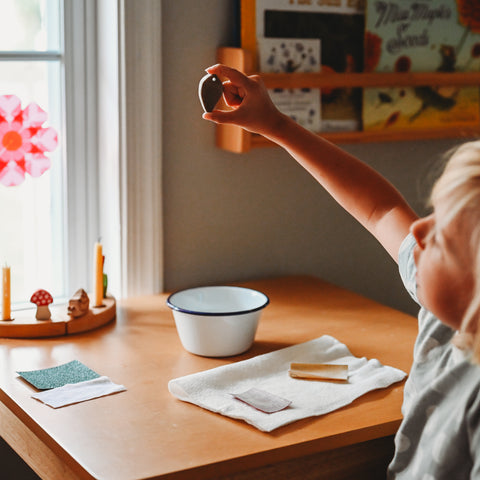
[213, 389]
[78, 392]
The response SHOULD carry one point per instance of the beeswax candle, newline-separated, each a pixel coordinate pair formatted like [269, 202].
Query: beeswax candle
[6, 312]
[98, 275]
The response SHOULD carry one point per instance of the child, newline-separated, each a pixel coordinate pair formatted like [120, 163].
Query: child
[439, 261]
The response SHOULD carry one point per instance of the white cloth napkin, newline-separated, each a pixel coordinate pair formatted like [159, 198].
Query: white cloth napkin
[78, 392]
[213, 389]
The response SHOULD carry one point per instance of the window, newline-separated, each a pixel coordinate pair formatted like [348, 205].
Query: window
[77, 59]
[49, 223]
[32, 239]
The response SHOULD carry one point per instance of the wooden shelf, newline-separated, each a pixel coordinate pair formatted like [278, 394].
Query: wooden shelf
[235, 139]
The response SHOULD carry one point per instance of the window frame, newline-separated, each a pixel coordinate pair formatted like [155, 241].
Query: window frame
[141, 211]
[122, 181]
[81, 157]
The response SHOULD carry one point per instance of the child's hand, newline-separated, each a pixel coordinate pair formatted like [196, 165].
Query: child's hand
[252, 106]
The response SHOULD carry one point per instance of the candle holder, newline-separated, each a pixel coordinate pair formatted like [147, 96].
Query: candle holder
[25, 325]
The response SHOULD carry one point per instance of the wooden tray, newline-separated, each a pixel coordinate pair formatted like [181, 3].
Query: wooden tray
[25, 325]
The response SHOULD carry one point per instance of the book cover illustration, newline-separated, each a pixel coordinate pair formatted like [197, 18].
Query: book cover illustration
[421, 36]
[339, 26]
[286, 55]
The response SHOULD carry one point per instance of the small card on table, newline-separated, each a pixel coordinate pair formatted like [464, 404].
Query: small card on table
[262, 400]
[47, 378]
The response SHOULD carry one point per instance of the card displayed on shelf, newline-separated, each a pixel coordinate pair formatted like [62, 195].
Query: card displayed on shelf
[288, 55]
[303, 105]
[401, 38]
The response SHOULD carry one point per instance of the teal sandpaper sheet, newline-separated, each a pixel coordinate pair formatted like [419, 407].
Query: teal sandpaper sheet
[47, 378]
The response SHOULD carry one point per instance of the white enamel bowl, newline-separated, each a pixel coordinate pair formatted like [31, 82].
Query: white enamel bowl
[217, 321]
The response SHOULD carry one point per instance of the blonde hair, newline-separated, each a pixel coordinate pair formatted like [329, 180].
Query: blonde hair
[459, 189]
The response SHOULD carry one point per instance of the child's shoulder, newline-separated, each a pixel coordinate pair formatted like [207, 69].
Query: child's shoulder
[406, 265]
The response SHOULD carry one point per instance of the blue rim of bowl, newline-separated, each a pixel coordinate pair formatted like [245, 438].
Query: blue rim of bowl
[216, 314]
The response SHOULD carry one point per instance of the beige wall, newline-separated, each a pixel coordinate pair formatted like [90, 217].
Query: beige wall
[233, 217]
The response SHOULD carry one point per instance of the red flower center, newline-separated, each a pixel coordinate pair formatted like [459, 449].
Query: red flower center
[12, 140]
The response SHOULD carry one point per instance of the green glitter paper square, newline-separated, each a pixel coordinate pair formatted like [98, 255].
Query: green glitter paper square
[47, 378]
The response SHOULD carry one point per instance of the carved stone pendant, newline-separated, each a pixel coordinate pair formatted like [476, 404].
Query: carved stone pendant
[210, 89]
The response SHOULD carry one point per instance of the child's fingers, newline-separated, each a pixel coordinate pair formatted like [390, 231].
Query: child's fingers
[219, 116]
[246, 95]
[232, 74]
[233, 96]
[236, 117]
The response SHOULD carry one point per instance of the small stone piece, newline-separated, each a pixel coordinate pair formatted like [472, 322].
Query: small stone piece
[210, 90]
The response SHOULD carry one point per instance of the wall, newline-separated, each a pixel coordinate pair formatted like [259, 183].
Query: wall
[234, 217]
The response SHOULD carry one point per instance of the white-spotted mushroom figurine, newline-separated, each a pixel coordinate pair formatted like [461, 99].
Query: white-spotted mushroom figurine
[42, 299]
[78, 304]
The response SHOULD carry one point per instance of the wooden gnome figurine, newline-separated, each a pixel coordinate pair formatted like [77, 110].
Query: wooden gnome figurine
[42, 299]
[78, 304]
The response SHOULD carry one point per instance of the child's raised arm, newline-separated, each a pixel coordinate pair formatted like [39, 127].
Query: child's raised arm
[358, 188]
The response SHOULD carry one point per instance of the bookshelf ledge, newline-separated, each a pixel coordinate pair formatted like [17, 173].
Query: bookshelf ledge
[237, 140]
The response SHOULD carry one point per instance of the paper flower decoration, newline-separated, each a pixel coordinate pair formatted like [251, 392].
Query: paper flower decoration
[23, 141]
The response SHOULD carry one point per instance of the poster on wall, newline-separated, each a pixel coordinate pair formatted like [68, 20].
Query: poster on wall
[338, 26]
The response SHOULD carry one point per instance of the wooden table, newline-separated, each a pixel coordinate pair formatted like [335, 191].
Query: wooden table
[145, 433]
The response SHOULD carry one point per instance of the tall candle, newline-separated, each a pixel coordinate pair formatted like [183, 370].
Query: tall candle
[98, 275]
[6, 313]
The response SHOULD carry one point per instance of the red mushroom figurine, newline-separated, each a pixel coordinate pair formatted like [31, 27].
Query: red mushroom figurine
[42, 299]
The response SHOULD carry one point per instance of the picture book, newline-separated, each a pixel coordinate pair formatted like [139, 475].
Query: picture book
[339, 26]
[421, 36]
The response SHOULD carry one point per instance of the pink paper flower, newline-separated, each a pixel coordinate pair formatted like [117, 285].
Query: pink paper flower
[23, 141]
